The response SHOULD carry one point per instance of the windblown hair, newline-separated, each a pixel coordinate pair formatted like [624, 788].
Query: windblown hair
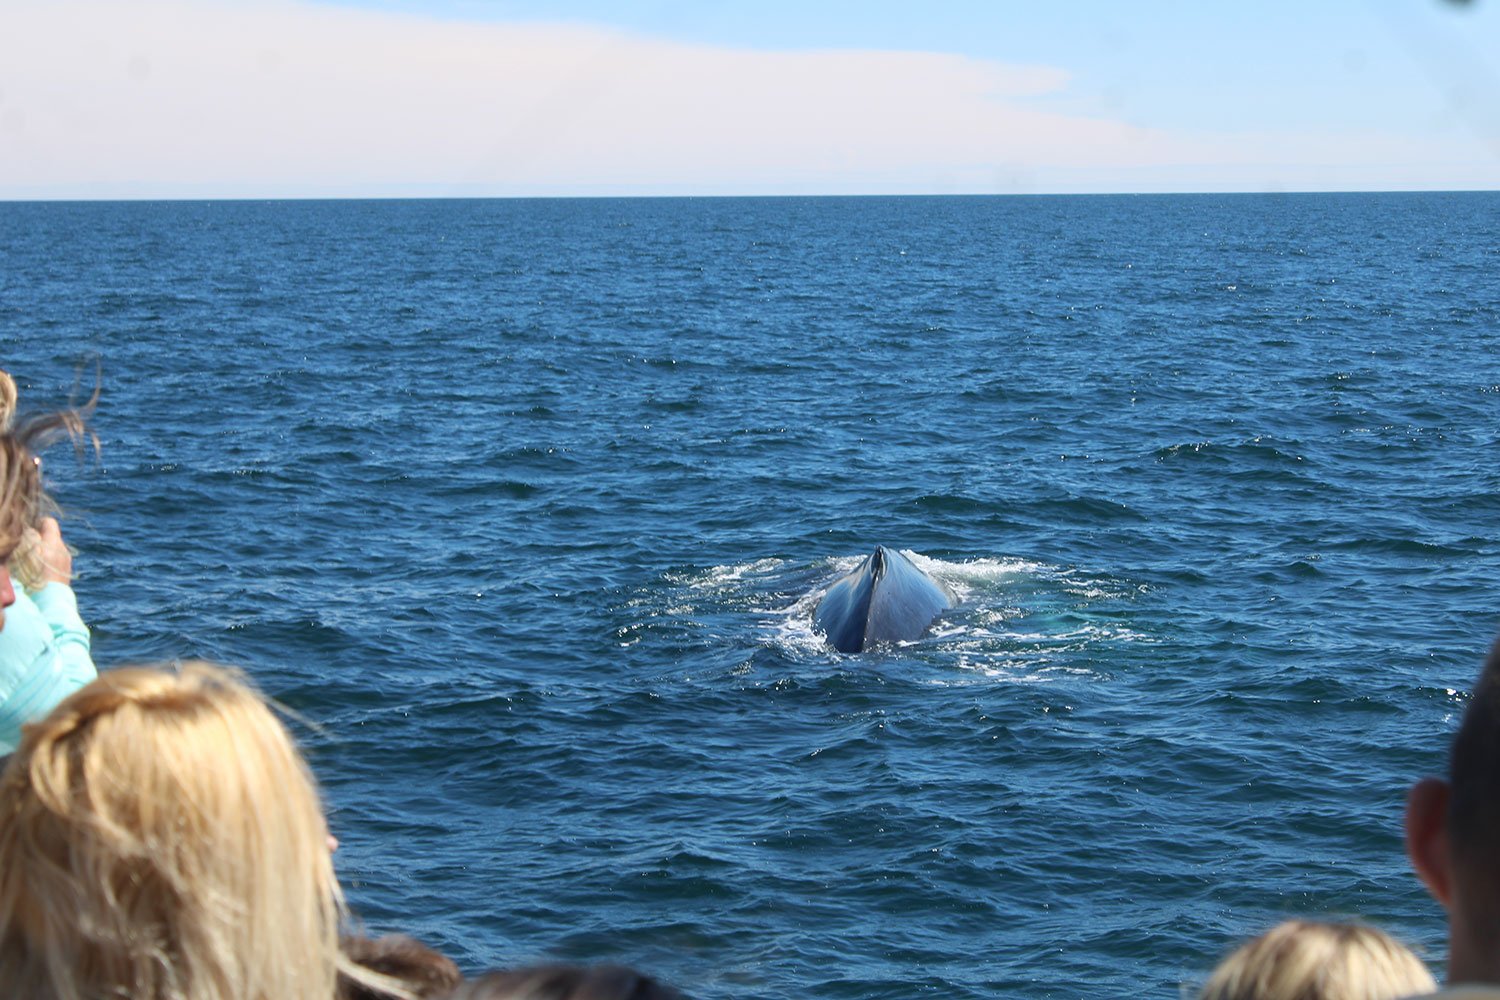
[20, 481]
[565, 982]
[8, 398]
[161, 838]
[1307, 960]
[22, 499]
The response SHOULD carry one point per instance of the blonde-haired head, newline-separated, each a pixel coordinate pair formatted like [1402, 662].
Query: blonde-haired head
[161, 838]
[1308, 960]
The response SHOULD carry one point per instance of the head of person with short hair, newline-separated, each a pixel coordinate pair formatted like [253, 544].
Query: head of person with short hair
[161, 838]
[427, 973]
[565, 982]
[1308, 960]
[1452, 833]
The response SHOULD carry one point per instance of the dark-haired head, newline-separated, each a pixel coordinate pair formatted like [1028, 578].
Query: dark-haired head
[425, 972]
[566, 982]
[1452, 833]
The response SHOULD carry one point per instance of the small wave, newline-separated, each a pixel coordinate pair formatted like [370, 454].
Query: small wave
[980, 569]
[1010, 669]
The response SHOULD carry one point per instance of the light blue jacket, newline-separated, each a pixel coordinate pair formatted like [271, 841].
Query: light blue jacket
[44, 657]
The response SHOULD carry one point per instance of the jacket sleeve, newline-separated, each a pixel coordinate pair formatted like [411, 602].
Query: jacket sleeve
[75, 665]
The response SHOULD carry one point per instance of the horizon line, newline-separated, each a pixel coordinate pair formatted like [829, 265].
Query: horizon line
[113, 199]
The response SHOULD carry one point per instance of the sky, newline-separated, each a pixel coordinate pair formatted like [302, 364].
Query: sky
[436, 98]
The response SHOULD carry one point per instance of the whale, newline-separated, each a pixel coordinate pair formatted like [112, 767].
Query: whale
[885, 599]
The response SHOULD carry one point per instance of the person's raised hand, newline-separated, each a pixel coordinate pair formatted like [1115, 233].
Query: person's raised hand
[57, 561]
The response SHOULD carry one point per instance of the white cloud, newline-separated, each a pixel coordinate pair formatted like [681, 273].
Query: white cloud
[281, 96]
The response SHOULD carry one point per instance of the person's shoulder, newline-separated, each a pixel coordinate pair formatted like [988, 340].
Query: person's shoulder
[26, 634]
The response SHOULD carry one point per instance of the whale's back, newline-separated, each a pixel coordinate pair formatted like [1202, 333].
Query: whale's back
[885, 599]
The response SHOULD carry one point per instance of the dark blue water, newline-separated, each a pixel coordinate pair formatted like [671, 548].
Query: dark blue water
[524, 506]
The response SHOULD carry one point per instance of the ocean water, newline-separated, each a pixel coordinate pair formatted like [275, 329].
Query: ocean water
[523, 507]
